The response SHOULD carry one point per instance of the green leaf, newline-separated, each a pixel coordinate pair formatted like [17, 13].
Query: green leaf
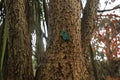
[65, 35]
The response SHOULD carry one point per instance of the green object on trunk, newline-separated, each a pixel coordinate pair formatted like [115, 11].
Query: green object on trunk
[65, 35]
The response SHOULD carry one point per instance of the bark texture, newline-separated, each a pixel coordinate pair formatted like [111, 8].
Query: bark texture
[64, 59]
[19, 50]
[87, 28]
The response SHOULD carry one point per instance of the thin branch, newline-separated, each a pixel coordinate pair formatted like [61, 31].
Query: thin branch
[116, 7]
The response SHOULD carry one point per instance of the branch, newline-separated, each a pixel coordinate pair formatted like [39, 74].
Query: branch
[116, 7]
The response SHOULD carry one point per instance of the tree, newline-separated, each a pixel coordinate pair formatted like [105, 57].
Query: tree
[19, 49]
[68, 41]
[64, 59]
[106, 45]
[87, 28]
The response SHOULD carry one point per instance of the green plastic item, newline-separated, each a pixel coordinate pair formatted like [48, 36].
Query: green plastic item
[65, 35]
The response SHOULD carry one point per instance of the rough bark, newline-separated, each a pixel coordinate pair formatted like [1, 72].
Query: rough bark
[19, 51]
[30, 15]
[87, 28]
[64, 59]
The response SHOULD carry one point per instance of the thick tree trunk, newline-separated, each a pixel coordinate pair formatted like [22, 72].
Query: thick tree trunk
[64, 59]
[87, 29]
[19, 51]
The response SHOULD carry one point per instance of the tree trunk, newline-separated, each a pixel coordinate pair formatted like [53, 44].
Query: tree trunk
[19, 51]
[64, 59]
[87, 28]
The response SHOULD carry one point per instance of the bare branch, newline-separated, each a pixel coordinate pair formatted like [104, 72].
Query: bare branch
[116, 7]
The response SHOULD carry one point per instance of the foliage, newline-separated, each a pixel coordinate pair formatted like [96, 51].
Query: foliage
[106, 44]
